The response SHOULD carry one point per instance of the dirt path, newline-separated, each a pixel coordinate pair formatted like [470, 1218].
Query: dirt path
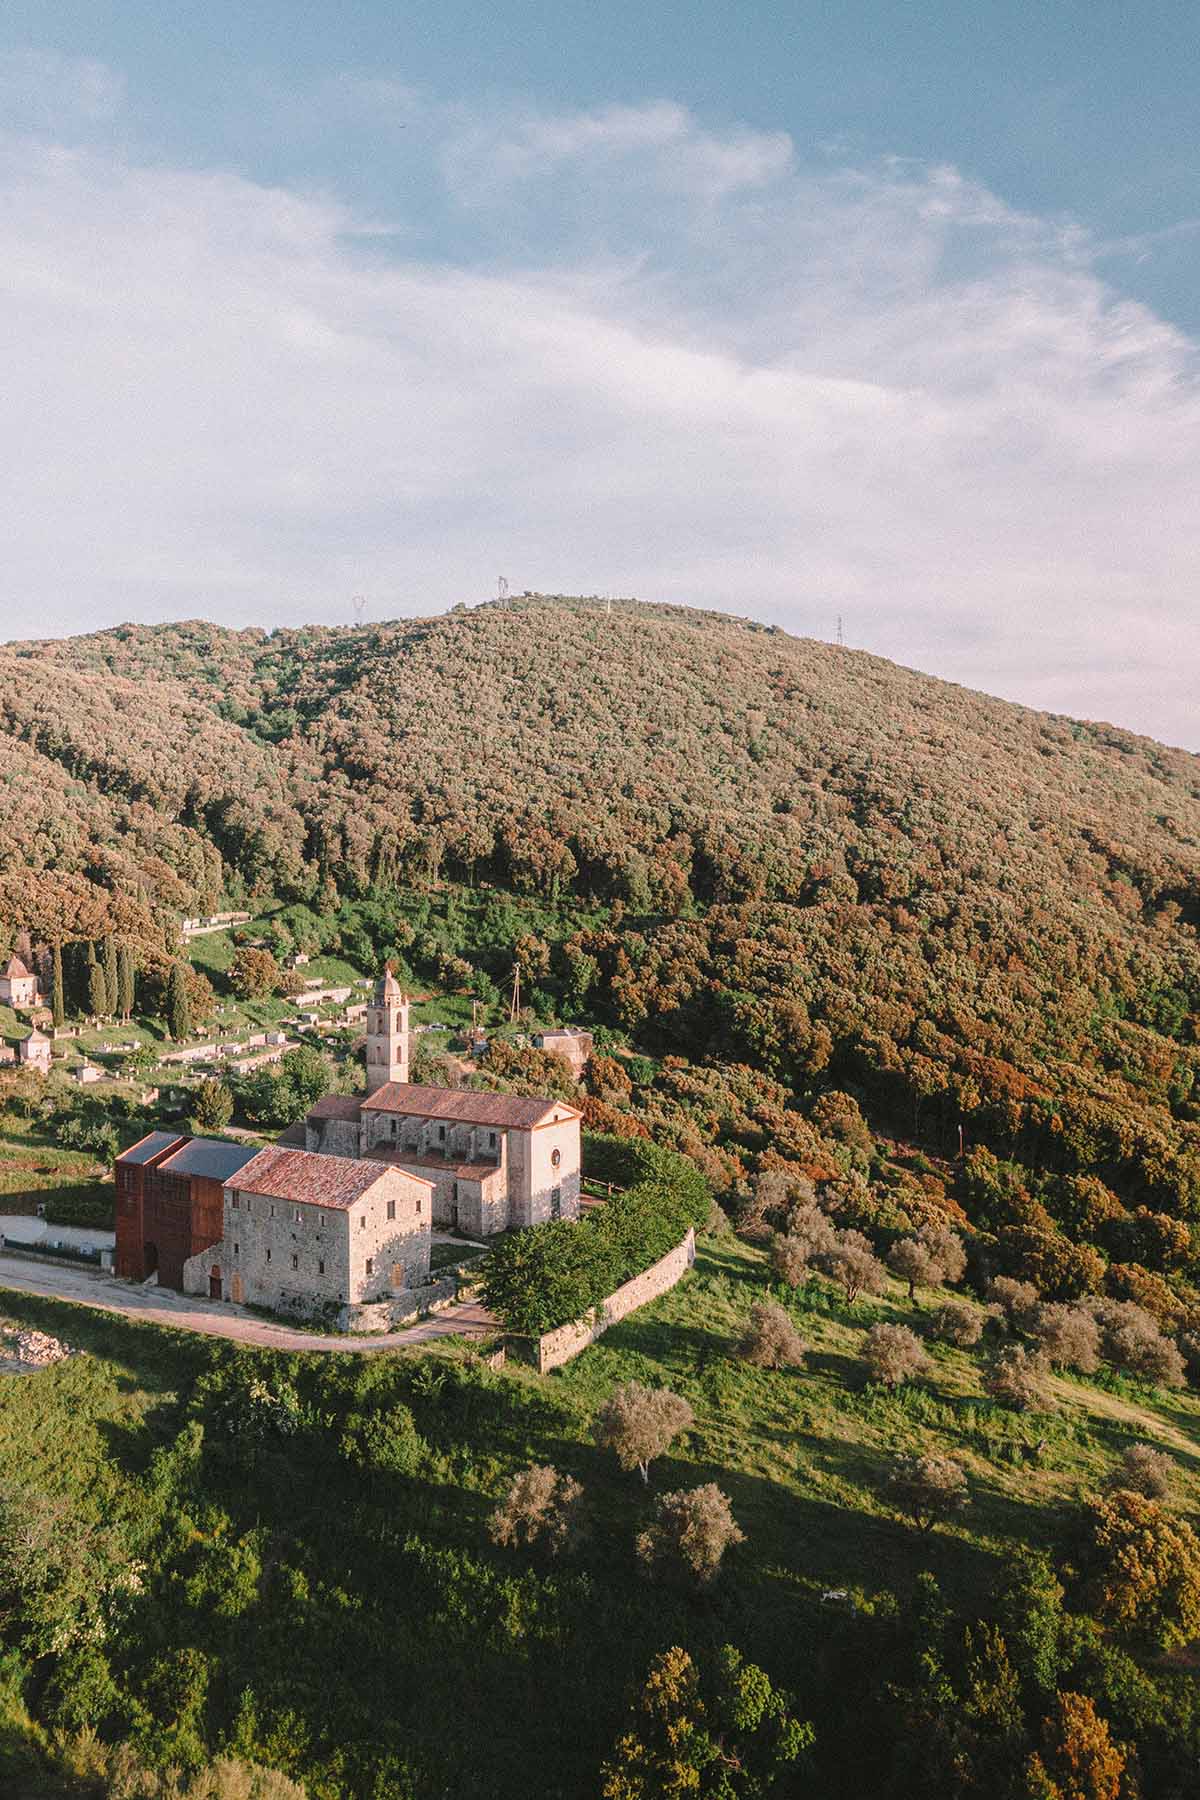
[220, 1318]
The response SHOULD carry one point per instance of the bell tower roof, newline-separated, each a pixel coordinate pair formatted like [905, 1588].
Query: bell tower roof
[387, 987]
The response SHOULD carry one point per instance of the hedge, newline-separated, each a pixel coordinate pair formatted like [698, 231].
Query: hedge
[540, 1278]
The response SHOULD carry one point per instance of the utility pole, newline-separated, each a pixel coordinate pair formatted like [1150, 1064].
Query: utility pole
[360, 606]
[841, 637]
[502, 587]
[514, 1011]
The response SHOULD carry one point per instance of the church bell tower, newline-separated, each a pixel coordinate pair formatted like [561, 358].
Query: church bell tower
[387, 1033]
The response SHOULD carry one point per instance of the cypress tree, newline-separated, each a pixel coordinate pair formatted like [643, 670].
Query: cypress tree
[57, 999]
[126, 975]
[179, 1009]
[97, 990]
[111, 985]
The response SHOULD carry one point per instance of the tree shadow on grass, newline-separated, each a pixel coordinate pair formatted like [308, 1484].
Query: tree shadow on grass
[148, 1356]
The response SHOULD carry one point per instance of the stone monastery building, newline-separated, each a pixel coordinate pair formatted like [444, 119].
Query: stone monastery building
[494, 1160]
[340, 1225]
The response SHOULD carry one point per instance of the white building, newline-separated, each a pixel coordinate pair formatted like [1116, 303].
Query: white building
[17, 986]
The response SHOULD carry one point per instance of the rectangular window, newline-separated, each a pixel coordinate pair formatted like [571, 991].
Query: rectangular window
[370, 1265]
[272, 1212]
[235, 1201]
[321, 1267]
[295, 1261]
[268, 1256]
[236, 1249]
[397, 1275]
[418, 1209]
[441, 1134]
[296, 1214]
[391, 1209]
[362, 1223]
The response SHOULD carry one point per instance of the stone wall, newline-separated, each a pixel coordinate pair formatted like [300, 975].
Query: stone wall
[557, 1347]
[400, 1309]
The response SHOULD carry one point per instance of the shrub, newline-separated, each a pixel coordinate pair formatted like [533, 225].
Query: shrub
[1129, 1281]
[1068, 1336]
[731, 1734]
[790, 1259]
[1079, 1760]
[957, 1323]
[689, 1534]
[1144, 1470]
[541, 1506]
[212, 1106]
[536, 1280]
[1015, 1378]
[1141, 1568]
[855, 1266]
[929, 1489]
[893, 1354]
[771, 1339]
[1132, 1341]
[639, 1423]
[812, 1227]
[1017, 1300]
[946, 1249]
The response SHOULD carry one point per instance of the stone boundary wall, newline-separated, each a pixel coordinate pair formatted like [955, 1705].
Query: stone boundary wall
[399, 1309]
[557, 1347]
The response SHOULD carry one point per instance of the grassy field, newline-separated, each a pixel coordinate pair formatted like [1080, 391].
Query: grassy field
[804, 1453]
[32, 1167]
[389, 1605]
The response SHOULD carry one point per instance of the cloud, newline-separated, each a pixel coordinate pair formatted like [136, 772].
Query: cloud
[43, 91]
[662, 360]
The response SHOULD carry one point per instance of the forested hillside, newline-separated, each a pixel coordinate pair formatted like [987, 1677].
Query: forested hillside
[912, 978]
[804, 859]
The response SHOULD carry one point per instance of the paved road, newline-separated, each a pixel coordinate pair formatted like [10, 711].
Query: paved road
[220, 1318]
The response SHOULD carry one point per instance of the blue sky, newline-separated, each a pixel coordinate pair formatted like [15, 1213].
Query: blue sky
[793, 310]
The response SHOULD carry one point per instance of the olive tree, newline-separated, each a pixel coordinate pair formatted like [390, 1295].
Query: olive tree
[541, 1507]
[639, 1424]
[770, 1338]
[1144, 1470]
[855, 1266]
[893, 1354]
[957, 1323]
[1068, 1336]
[1015, 1378]
[689, 1534]
[929, 1489]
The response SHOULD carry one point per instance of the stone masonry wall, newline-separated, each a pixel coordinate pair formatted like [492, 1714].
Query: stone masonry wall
[400, 1309]
[557, 1347]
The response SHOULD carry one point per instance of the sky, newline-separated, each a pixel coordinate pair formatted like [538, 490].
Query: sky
[802, 312]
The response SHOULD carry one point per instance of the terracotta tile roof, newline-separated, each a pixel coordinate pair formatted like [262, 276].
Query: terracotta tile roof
[336, 1106]
[463, 1106]
[14, 969]
[310, 1178]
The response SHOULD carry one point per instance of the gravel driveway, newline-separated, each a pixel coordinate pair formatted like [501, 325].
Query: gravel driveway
[221, 1318]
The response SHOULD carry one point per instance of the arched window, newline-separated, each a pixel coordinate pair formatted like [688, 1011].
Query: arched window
[555, 1158]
